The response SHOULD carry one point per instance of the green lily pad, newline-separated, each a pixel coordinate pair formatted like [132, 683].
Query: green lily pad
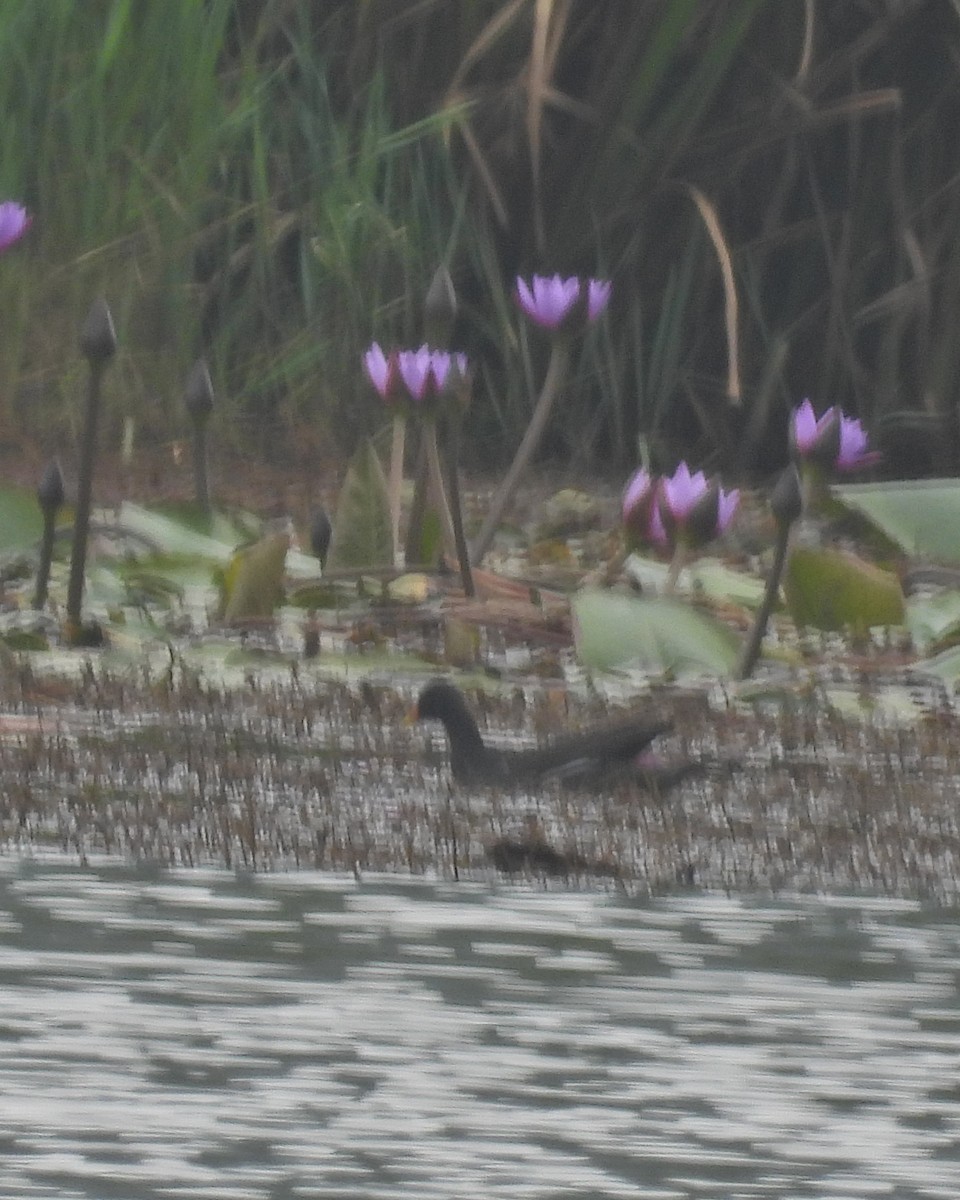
[834, 590]
[922, 516]
[945, 666]
[934, 621]
[361, 528]
[617, 630]
[174, 537]
[709, 575]
[21, 523]
[253, 583]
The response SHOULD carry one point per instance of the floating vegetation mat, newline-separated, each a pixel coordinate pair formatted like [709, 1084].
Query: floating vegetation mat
[327, 775]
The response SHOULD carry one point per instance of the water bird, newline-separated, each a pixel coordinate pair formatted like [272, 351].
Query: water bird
[586, 757]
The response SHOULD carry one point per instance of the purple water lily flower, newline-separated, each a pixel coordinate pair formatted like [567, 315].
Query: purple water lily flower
[809, 431]
[853, 452]
[381, 371]
[447, 366]
[639, 490]
[682, 492]
[833, 441]
[554, 302]
[641, 514]
[14, 222]
[549, 299]
[598, 297]
[416, 371]
[695, 509]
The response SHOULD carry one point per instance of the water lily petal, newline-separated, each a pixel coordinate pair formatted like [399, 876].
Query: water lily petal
[549, 300]
[682, 491]
[416, 370]
[853, 443]
[14, 222]
[379, 369]
[637, 492]
[727, 505]
[598, 297]
[808, 428]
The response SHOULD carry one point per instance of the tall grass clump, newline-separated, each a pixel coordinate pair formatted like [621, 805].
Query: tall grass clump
[774, 189]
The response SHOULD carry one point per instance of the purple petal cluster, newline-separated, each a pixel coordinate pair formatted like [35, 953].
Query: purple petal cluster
[553, 302]
[412, 374]
[833, 440]
[14, 222]
[683, 508]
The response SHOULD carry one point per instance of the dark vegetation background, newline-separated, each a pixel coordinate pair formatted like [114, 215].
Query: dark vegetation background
[773, 186]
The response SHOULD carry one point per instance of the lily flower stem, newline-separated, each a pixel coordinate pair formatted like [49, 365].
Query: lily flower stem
[452, 446]
[435, 485]
[556, 371]
[677, 563]
[81, 524]
[201, 473]
[751, 647]
[46, 555]
[396, 480]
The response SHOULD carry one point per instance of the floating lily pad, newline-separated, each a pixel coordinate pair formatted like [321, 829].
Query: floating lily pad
[922, 516]
[253, 583]
[834, 590]
[934, 621]
[21, 523]
[617, 630]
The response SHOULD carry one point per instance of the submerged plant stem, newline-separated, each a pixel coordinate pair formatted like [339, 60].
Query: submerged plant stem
[556, 370]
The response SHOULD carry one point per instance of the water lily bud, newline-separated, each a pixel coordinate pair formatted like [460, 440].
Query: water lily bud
[321, 531]
[198, 392]
[786, 499]
[440, 309]
[50, 490]
[98, 339]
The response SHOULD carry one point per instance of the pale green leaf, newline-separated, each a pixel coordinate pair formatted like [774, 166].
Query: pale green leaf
[361, 527]
[834, 590]
[618, 630]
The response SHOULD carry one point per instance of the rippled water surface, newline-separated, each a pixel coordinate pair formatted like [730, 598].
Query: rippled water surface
[195, 1035]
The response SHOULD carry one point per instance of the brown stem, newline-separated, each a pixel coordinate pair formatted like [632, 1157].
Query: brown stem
[81, 523]
[451, 446]
[201, 475]
[46, 556]
[751, 647]
[556, 370]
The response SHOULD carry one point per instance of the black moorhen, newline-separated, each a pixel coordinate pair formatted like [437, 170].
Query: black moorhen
[576, 758]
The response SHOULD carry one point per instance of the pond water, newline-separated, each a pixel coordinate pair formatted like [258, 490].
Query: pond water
[196, 1034]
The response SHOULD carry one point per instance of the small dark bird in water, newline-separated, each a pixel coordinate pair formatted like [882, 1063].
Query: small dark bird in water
[581, 758]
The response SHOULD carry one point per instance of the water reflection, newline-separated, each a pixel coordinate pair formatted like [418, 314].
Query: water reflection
[194, 1035]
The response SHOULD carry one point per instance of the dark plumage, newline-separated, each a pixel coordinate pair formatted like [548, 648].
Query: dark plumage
[578, 758]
